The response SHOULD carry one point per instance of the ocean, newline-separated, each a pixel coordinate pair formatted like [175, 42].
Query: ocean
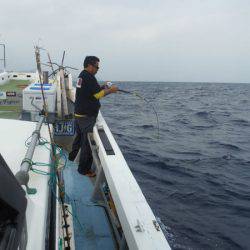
[196, 175]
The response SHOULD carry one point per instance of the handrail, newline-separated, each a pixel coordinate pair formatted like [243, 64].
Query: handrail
[22, 175]
[140, 227]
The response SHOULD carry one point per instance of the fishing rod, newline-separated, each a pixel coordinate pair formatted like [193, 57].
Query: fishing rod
[145, 100]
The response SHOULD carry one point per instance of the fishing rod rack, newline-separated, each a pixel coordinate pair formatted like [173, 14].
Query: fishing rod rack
[62, 81]
[51, 94]
[64, 104]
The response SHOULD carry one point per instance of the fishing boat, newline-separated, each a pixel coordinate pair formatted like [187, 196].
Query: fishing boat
[45, 203]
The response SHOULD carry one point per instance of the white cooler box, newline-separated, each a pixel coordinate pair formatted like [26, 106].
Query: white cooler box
[33, 92]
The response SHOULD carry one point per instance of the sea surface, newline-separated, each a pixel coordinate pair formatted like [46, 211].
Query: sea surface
[196, 175]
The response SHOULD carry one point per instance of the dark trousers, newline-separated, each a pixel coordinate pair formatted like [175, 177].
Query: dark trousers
[83, 126]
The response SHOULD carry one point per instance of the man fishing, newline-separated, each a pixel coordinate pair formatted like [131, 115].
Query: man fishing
[87, 105]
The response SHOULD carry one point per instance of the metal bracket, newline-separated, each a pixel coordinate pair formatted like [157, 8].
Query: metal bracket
[96, 195]
[139, 227]
[30, 190]
[157, 226]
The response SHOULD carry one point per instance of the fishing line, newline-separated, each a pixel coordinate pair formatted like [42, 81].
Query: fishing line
[148, 102]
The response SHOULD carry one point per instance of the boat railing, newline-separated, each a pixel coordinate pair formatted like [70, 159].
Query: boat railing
[22, 175]
[132, 220]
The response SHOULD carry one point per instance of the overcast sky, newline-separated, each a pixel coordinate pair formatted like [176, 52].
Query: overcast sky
[137, 40]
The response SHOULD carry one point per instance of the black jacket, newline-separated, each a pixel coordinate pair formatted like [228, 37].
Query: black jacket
[85, 102]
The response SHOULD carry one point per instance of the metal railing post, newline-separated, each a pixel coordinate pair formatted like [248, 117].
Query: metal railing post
[4, 56]
[96, 195]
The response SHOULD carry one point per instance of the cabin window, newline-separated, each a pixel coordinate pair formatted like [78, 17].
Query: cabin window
[14, 75]
[28, 75]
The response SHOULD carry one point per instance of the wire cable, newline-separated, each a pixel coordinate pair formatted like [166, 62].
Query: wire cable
[148, 102]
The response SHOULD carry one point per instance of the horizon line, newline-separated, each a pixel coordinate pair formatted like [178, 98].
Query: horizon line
[155, 81]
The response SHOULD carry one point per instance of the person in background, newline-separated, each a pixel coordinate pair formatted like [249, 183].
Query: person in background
[87, 105]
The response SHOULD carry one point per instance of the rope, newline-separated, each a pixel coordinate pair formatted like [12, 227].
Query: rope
[53, 179]
[27, 160]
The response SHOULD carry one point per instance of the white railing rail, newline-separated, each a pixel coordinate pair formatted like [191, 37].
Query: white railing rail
[139, 225]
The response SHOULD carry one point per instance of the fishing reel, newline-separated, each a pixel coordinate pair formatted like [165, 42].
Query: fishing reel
[109, 84]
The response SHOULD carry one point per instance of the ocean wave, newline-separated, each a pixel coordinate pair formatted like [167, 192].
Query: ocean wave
[147, 126]
[238, 195]
[226, 145]
[202, 114]
[153, 177]
[180, 171]
[232, 243]
[202, 127]
[241, 122]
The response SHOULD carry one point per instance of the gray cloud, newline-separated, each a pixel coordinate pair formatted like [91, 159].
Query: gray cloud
[161, 40]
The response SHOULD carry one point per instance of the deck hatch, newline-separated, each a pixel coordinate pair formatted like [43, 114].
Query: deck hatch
[105, 142]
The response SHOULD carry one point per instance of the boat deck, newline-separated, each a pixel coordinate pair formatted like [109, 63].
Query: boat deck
[13, 135]
[91, 226]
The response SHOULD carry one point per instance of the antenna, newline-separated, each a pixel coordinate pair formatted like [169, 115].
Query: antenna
[63, 58]
[4, 56]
